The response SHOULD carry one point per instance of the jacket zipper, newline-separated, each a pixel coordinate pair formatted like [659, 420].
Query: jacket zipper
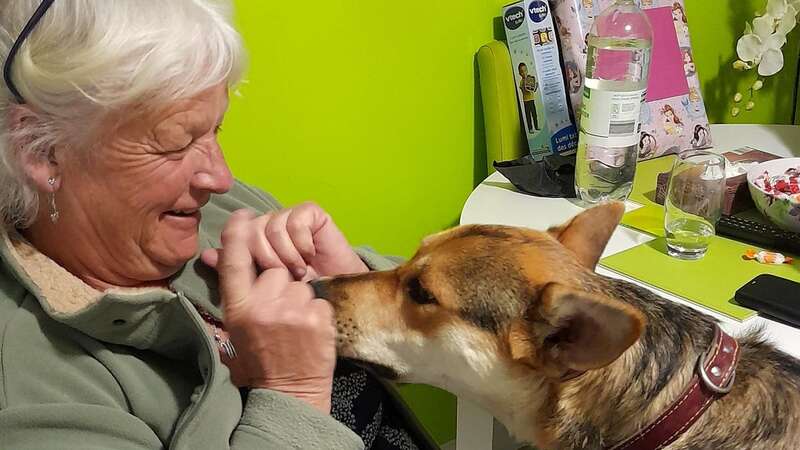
[191, 411]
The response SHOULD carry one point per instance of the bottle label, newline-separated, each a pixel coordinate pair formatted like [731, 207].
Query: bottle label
[612, 118]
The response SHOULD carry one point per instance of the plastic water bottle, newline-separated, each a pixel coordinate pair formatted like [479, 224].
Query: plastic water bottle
[617, 66]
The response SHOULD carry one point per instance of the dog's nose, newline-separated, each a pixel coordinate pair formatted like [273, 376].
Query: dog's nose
[320, 287]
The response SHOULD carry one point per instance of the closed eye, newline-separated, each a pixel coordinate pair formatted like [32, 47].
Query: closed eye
[419, 294]
[178, 153]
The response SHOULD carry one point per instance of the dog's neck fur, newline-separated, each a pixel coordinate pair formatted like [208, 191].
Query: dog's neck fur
[606, 406]
[637, 387]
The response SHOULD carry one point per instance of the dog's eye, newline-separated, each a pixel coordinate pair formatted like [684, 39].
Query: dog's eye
[419, 294]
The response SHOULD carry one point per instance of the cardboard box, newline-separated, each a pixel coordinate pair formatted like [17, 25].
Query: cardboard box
[737, 193]
[546, 116]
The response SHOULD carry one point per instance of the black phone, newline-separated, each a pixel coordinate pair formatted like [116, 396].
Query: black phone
[773, 296]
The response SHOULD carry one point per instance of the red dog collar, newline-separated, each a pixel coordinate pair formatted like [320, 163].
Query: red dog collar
[713, 378]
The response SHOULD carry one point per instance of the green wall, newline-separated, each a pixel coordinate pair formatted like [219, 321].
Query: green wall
[372, 110]
[715, 26]
[368, 108]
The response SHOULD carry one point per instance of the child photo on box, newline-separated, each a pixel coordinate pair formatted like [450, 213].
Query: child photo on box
[528, 86]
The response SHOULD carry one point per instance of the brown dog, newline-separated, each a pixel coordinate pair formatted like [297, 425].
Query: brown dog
[511, 318]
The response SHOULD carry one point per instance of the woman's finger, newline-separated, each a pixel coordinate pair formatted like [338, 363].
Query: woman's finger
[271, 283]
[262, 250]
[311, 274]
[301, 225]
[299, 294]
[281, 242]
[235, 267]
[210, 257]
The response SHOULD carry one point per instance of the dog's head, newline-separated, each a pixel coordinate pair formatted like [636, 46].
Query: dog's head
[480, 302]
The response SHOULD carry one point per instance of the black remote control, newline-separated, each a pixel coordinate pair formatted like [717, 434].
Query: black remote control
[759, 234]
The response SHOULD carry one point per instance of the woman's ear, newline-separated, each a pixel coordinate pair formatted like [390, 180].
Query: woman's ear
[43, 170]
[40, 166]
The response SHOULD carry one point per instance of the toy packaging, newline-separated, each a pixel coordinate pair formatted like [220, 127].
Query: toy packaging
[546, 115]
[674, 116]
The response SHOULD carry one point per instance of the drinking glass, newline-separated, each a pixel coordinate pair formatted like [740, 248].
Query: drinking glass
[694, 203]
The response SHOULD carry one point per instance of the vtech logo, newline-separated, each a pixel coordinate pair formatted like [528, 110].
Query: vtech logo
[514, 17]
[537, 9]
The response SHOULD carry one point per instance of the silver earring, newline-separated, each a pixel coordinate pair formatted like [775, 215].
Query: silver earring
[52, 197]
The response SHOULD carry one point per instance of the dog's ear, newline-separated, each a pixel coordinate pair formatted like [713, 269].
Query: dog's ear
[571, 329]
[588, 233]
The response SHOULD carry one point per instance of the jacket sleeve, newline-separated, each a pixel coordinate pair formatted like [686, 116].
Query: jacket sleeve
[302, 427]
[376, 261]
[70, 426]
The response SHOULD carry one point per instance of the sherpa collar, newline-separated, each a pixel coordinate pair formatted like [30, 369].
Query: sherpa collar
[136, 317]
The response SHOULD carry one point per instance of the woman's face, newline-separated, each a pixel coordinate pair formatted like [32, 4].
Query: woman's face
[669, 114]
[137, 196]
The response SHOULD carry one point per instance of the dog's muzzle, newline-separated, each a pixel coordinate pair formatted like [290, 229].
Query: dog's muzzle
[320, 287]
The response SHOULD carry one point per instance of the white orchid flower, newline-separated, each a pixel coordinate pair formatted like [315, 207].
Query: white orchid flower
[761, 44]
[776, 8]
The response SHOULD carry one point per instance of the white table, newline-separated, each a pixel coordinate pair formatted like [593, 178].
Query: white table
[491, 203]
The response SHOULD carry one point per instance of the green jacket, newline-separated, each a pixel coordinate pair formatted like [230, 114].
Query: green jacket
[135, 369]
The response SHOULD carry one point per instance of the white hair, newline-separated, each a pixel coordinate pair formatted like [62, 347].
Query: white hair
[88, 58]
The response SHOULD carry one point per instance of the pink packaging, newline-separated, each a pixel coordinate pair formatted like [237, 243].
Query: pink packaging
[674, 117]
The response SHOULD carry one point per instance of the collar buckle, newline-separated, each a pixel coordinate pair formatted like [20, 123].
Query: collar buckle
[708, 383]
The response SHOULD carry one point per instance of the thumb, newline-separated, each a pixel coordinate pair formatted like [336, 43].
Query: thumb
[210, 257]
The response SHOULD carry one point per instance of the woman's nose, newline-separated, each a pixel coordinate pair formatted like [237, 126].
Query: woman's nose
[214, 174]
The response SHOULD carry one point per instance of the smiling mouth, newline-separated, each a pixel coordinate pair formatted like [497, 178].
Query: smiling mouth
[183, 212]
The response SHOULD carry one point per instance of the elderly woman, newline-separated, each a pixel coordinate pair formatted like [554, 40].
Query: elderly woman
[112, 184]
